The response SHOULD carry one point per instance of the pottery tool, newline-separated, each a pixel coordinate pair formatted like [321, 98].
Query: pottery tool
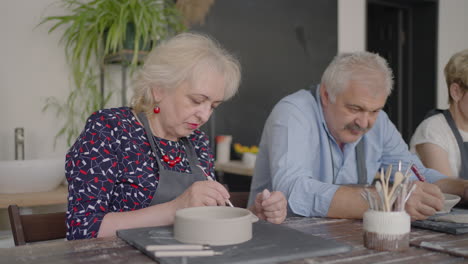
[417, 173]
[176, 247]
[386, 225]
[407, 173]
[211, 179]
[397, 180]
[388, 196]
[186, 253]
[413, 187]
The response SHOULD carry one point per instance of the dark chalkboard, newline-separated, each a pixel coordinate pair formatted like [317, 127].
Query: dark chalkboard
[270, 244]
[283, 46]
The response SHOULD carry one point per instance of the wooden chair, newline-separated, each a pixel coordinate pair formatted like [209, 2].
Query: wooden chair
[36, 227]
[239, 199]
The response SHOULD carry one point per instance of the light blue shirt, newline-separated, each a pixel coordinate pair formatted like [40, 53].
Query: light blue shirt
[297, 153]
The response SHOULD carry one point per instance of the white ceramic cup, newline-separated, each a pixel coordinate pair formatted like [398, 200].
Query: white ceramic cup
[249, 159]
[223, 148]
[213, 225]
[386, 231]
[450, 200]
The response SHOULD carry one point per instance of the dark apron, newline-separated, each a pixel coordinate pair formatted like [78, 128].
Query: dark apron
[463, 146]
[360, 153]
[172, 183]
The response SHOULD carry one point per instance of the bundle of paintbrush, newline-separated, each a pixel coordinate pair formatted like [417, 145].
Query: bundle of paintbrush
[390, 197]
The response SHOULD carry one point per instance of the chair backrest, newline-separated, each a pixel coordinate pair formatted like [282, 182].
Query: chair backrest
[36, 227]
[239, 199]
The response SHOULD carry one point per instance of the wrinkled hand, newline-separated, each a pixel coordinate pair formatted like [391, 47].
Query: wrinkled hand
[271, 206]
[425, 201]
[202, 193]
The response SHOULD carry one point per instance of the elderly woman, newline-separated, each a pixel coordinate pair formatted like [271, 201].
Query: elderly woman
[441, 139]
[134, 167]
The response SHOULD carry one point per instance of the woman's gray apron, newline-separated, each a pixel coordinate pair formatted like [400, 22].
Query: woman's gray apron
[172, 183]
[463, 146]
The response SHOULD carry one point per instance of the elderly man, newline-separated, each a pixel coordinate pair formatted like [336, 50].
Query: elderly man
[318, 143]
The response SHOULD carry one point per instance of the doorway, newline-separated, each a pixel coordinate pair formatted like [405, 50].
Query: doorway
[404, 32]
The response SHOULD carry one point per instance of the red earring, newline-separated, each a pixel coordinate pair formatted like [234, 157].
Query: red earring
[156, 110]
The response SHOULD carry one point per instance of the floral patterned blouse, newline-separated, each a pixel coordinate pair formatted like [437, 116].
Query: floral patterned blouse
[111, 168]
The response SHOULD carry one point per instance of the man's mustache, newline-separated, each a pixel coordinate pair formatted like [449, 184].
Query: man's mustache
[357, 128]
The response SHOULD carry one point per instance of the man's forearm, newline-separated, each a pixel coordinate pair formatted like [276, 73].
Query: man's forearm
[348, 203]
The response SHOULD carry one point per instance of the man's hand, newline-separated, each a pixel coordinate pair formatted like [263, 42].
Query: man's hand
[270, 206]
[425, 201]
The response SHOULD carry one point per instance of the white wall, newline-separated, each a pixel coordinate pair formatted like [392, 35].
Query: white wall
[32, 68]
[351, 25]
[33, 65]
[453, 37]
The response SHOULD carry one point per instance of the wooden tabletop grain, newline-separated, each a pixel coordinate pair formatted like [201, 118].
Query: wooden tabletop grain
[114, 250]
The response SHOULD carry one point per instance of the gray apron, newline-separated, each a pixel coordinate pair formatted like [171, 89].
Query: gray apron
[360, 153]
[463, 146]
[172, 183]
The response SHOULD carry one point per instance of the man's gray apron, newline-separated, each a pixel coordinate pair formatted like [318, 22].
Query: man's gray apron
[172, 183]
[463, 146]
[360, 153]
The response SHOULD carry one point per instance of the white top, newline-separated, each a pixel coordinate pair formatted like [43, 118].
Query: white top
[436, 130]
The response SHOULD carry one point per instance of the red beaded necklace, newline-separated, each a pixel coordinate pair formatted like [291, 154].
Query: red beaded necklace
[165, 157]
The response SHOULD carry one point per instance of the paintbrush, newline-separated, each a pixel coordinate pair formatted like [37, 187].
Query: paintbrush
[211, 179]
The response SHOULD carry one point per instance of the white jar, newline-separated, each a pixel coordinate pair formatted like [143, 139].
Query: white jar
[249, 159]
[223, 148]
[386, 231]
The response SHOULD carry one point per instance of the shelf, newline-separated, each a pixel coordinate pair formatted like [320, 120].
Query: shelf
[54, 197]
[234, 167]
[124, 56]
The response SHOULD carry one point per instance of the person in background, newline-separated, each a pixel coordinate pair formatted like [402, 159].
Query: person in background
[317, 144]
[441, 140]
[134, 167]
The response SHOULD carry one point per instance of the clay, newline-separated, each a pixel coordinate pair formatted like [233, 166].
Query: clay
[450, 201]
[213, 225]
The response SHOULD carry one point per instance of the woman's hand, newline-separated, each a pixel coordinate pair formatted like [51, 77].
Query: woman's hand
[202, 193]
[270, 206]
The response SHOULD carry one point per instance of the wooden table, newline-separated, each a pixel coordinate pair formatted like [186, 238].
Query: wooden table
[54, 197]
[114, 250]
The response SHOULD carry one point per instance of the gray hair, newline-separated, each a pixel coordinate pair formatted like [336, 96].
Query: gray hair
[456, 71]
[180, 59]
[355, 66]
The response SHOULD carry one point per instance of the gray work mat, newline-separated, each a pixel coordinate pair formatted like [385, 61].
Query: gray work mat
[270, 244]
[446, 227]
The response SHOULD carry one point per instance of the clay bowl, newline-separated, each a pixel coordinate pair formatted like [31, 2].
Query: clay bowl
[450, 201]
[213, 225]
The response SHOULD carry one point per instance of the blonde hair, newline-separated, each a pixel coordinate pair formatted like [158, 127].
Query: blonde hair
[456, 71]
[350, 66]
[180, 59]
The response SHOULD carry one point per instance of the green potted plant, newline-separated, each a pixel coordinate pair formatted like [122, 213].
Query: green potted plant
[96, 29]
